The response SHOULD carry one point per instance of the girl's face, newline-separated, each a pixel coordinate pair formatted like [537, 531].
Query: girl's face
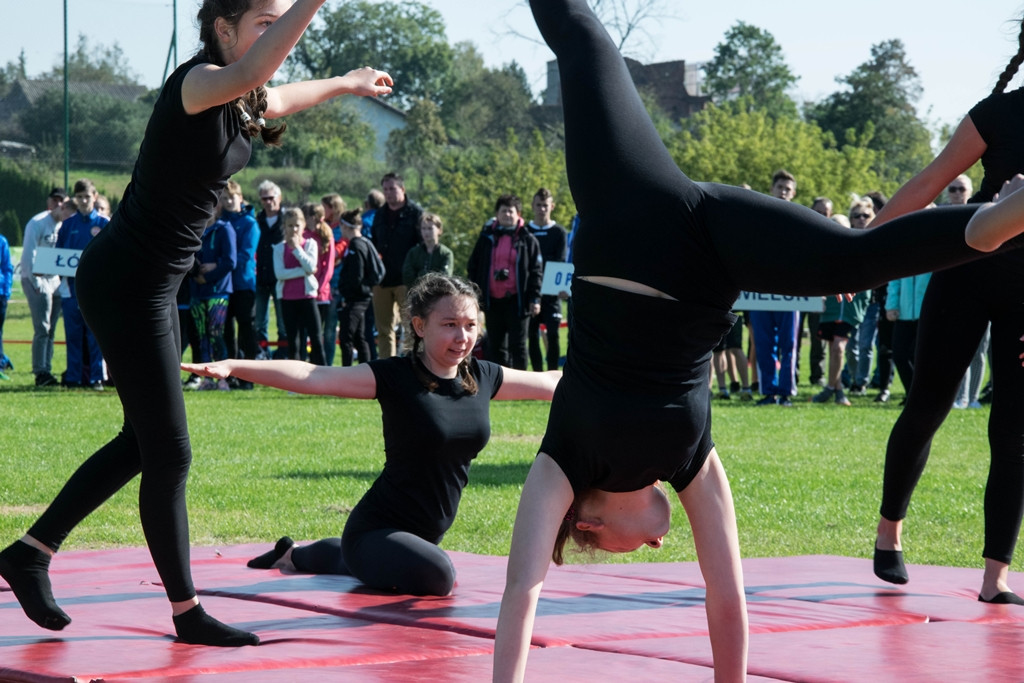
[623, 533]
[230, 202]
[236, 40]
[449, 332]
[294, 226]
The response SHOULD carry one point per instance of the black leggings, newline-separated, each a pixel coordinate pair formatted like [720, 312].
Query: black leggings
[135, 319]
[957, 308]
[302, 321]
[381, 557]
[709, 240]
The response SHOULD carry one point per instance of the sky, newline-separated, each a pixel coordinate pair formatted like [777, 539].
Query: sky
[957, 48]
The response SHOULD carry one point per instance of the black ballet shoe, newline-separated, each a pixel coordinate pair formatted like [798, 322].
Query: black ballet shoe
[889, 566]
[267, 559]
[1004, 598]
[196, 627]
[26, 571]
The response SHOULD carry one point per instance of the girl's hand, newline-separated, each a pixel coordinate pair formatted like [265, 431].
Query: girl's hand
[218, 370]
[368, 81]
[1009, 187]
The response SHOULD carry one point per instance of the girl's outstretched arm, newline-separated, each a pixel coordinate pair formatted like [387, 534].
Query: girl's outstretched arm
[546, 497]
[709, 507]
[357, 381]
[520, 384]
[995, 223]
[292, 97]
[960, 153]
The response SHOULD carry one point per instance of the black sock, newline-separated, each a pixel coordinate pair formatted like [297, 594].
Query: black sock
[199, 628]
[267, 559]
[889, 566]
[26, 570]
[1004, 598]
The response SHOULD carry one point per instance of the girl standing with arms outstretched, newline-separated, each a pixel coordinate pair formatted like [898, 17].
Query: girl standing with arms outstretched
[199, 134]
[957, 309]
[435, 405]
[622, 418]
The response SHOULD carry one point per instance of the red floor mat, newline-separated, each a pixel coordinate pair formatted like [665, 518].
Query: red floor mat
[812, 619]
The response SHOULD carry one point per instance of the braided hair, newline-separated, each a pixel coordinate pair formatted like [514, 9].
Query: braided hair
[1011, 68]
[419, 303]
[250, 107]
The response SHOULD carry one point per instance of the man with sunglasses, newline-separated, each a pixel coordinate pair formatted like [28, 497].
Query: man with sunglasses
[266, 281]
[960, 190]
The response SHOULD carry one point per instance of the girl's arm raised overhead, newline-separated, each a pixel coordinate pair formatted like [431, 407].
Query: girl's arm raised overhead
[357, 381]
[546, 497]
[249, 66]
[960, 153]
[519, 385]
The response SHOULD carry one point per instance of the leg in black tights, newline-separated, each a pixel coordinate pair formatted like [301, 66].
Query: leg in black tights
[381, 557]
[953, 321]
[137, 328]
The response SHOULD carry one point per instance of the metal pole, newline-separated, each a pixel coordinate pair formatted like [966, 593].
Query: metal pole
[67, 104]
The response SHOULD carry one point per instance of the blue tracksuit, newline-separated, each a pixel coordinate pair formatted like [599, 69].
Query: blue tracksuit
[75, 233]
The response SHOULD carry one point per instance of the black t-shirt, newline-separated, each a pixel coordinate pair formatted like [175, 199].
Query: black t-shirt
[999, 119]
[622, 417]
[430, 439]
[184, 162]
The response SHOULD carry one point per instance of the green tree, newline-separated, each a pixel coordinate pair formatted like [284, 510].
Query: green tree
[749, 63]
[98, 64]
[103, 129]
[736, 144]
[13, 71]
[482, 104]
[403, 37]
[879, 106]
[419, 145]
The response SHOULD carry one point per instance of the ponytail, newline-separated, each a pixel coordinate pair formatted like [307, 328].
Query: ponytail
[1013, 66]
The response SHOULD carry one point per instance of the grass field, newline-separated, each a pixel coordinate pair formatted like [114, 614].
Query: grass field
[806, 479]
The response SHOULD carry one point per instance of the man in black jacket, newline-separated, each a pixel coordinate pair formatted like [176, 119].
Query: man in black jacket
[396, 229]
[506, 266]
[269, 220]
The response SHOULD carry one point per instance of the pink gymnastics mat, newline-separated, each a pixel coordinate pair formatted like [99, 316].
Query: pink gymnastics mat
[816, 618]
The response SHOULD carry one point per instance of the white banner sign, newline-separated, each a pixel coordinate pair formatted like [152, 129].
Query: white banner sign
[756, 301]
[557, 278]
[50, 261]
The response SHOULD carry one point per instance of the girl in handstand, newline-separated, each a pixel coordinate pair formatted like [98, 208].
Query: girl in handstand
[623, 418]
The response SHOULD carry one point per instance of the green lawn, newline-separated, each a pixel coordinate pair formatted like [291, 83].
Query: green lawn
[806, 479]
